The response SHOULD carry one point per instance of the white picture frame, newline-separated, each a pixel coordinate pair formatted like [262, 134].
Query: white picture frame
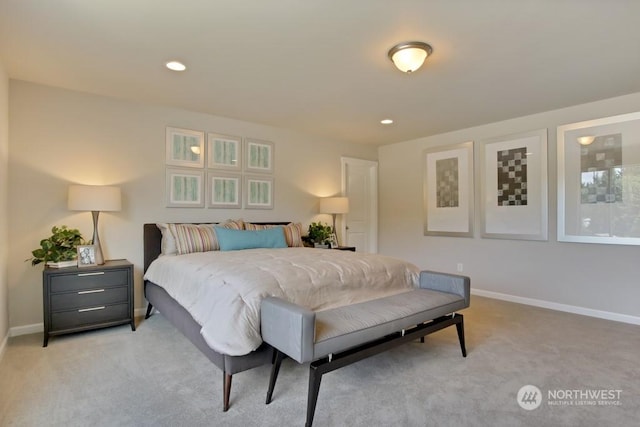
[86, 255]
[259, 156]
[514, 201]
[224, 152]
[448, 192]
[599, 182]
[258, 192]
[185, 188]
[184, 147]
[224, 190]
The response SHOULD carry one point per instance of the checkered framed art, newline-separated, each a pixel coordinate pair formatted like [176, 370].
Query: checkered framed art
[448, 191]
[599, 181]
[513, 186]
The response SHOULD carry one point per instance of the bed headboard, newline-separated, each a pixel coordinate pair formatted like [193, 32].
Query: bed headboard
[152, 237]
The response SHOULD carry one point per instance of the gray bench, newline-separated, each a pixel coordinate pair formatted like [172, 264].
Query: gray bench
[334, 338]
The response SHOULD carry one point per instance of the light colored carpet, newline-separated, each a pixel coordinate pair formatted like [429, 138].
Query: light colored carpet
[155, 377]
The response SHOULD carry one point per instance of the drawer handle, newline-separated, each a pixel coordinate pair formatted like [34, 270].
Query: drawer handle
[82, 310]
[99, 273]
[93, 291]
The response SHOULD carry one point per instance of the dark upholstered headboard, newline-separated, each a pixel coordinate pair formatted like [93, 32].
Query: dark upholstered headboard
[153, 239]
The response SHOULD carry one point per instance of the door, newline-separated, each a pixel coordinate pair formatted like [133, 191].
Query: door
[360, 185]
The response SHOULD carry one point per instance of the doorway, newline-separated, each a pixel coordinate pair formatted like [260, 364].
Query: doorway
[360, 185]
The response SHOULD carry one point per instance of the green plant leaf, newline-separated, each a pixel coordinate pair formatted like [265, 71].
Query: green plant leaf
[60, 246]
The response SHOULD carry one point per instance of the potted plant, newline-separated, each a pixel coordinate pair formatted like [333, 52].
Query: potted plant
[319, 234]
[58, 250]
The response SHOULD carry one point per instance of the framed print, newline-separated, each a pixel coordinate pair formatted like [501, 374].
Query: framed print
[185, 188]
[513, 186]
[333, 240]
[448, 191]
[185, 148]
[224, 152]
[86, 255]
[224, 190]
[599, 181]
[259, 192]
[259, 156]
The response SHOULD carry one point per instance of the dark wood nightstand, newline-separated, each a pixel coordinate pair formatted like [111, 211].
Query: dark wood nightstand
[345, 248]
[82, 298]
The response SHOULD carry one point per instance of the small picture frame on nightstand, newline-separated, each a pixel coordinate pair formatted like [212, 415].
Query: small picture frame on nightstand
[333, 240]
[86, 255]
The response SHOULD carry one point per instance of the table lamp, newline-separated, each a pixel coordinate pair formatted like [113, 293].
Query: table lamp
[95, 198]
[334, 206]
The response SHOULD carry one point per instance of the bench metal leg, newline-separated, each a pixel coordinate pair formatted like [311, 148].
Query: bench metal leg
[315, 376]
[278, 357]
[226, 391]
[460, 329]
[149, 308]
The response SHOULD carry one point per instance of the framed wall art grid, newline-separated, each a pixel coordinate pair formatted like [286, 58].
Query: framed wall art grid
[224, 152]
[599, 181]
[448, 191]
[184, 147]
[513, 186]
[185, 188]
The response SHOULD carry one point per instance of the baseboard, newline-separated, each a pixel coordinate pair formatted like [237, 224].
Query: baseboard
[625, 318]
[39, 327]
[3, 346]
[26, 329]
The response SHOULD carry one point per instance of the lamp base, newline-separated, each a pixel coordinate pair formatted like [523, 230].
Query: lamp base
[96, 238]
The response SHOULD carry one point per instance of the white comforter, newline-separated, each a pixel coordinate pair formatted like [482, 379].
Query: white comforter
[223, 290]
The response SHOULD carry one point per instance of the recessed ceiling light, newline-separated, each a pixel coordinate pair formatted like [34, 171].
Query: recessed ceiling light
[386, 121]
[176, 66]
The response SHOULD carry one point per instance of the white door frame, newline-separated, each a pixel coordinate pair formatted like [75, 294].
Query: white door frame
[373, 198]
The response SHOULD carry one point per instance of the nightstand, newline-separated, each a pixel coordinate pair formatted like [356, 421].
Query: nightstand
[345, 248]
[82, 298]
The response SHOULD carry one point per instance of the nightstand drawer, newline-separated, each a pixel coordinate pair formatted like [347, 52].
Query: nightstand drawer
[88, 280]
[89, 316]
[89, 298]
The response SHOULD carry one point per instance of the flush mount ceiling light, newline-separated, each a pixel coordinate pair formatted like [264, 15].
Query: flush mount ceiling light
[176, 66]
[409, 56]
[386, 121]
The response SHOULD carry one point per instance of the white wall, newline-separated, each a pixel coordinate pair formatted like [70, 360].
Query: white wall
[4, 210]
[60, 137]
[595, 279]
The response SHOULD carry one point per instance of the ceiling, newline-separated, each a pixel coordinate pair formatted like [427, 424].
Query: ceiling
[321, 67]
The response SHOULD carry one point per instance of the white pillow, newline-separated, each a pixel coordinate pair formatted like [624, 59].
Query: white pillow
[168, 244]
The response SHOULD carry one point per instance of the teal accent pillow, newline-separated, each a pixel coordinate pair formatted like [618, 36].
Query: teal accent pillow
[231, 240]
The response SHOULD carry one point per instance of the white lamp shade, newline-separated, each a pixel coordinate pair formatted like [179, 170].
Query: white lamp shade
[94, 198]
[334, 205]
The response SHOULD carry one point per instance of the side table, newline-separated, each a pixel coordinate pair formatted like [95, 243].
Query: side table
[82, 298]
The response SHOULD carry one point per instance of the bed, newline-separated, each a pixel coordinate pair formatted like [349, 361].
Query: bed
[281, 272]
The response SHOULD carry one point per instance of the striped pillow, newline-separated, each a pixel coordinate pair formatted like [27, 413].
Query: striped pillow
[234, 224]
[292, 232]
[194, 238]
[190, 238]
